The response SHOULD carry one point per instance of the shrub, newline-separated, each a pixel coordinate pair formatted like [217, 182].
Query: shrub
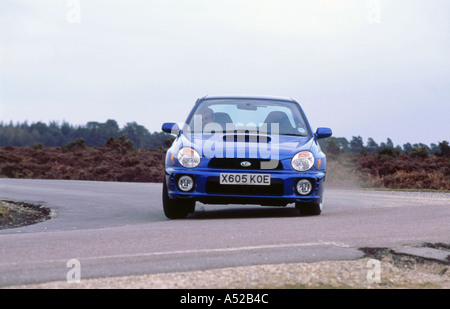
[389, 151]
[78, 144]
[420, 152]
[37, 146]
[122, 144]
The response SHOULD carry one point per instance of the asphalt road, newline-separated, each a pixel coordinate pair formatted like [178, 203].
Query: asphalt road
[116, 229]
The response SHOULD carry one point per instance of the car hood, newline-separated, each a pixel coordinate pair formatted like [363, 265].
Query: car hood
[246, 146]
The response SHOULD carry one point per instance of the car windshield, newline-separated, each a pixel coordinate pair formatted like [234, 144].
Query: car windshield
[249, 115]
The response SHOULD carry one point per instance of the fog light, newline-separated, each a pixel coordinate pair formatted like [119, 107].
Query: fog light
[185, 183]
[304, 187]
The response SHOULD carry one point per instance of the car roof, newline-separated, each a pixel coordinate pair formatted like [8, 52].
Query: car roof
[248, 97]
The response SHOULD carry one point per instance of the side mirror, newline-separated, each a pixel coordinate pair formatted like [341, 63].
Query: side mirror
[323, 133]
[171, 128]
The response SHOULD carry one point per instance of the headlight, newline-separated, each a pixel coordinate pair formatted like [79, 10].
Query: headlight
[302, 161]
[188, 157]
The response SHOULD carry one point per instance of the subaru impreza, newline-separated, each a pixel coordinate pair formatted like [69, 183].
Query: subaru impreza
[244, 150]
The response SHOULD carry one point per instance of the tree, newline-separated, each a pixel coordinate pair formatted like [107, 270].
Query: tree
[389, 143]
[444, 149]
[333, 147]
[388, 148]
[372, 146]
[407, 148]
[66, 129]
[343, 143]
[356, 144]
[138, 134]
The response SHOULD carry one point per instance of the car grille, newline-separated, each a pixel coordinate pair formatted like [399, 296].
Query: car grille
[213, 186]
[235, 164]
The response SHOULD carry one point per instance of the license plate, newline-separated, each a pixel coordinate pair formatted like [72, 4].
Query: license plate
[245, 179]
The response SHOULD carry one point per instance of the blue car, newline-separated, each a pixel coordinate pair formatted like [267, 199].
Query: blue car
[244, 150]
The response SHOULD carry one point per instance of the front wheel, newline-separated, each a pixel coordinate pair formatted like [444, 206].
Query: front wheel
[176, 208]
[309, 209]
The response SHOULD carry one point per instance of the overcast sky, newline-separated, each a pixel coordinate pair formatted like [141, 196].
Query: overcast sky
[374, 68]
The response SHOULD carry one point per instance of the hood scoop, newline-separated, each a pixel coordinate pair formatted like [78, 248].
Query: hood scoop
[247, 138]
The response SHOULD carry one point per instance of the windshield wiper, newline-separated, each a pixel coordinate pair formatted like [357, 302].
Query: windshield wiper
[293, 134]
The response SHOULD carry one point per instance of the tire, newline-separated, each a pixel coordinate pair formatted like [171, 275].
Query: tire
[176, 208]
[309, 209]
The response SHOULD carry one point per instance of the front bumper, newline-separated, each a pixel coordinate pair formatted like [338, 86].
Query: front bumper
[281, 192]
